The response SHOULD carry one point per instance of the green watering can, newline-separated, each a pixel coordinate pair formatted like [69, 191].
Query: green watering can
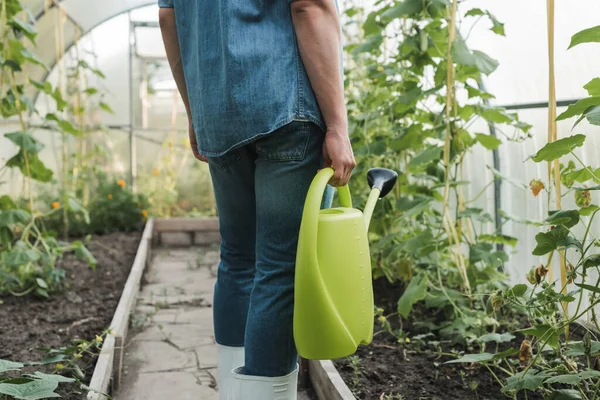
[333, 308]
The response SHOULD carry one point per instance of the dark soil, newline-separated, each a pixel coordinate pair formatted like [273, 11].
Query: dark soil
[386, 368]
[82, 310]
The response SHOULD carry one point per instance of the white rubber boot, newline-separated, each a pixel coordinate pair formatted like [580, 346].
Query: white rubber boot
[229, 359]
[247, 387]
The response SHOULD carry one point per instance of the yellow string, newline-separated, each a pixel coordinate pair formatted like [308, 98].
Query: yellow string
[448, 220]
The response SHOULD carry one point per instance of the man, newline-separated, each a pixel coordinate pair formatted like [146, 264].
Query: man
[261, 82]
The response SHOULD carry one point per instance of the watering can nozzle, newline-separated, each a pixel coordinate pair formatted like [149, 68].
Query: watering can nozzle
[382, 179]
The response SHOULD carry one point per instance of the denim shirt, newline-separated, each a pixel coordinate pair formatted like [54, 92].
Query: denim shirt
[243, 70]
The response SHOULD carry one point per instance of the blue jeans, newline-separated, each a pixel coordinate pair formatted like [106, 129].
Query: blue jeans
[260, 191]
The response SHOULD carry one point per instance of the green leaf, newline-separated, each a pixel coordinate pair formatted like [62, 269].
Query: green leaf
[593, 115]
[38, 389]
[549, 241]
[26, 29]
[530, 381]
[76, 206]
[414, 244]
[41, 283]
[18, 257]
[45, 87]
[64, 125]
[106, 108]
[496, 115]
[29, 56]
[6, 366]
[587, 211]
[371, 43]
[6, 203]
[518, 290]
[581, 175]
[589, 288]
[593, 87]
[472, 358]
[564, 394]
[568, 218]
[555, 150]
[25, 141]
[483, 252]
[475, 92]
[592, 261]
[37, 169]
[405, 8]
[576, 349]
[462, 55]
[90, 91]
[82, 252]
[415, 292]
[544, 332]
[13, 217]
[488, 141]
[430, 154]
[6, 236]
[496, 337]
[475, 12]
[579, 108]
[497, 238]
[52, 378]
[506, 353]
[571, 379]
[61, 104]
[591, 35]
[591, 373]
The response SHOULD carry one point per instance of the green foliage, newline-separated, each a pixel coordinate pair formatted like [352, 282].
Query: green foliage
[397, 120]
[117, 209]
[412, 239]
[114, 208]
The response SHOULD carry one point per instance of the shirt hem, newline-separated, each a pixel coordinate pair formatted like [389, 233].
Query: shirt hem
[310, 118]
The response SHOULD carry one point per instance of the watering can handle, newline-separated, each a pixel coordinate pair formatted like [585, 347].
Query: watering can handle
[312, 206]
[319, 184]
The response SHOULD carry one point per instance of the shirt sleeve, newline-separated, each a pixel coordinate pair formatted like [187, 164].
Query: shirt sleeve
[165, 3]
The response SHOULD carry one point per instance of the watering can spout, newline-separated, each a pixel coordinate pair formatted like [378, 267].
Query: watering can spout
[381, 181]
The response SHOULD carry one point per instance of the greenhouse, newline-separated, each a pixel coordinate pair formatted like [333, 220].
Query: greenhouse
[137, 264]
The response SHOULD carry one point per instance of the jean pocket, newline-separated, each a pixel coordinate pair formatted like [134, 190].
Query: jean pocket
[227, 159]
[288, 143]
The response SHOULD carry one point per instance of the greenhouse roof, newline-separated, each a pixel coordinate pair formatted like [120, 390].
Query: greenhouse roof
[76, 18]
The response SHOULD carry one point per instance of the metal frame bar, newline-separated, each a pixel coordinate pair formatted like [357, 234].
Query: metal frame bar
[529, 106]
[132, 141]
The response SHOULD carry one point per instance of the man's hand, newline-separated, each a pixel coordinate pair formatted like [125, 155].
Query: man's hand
[337, 152]
[194, 143]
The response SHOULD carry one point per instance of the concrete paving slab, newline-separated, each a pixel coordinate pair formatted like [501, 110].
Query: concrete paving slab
[185, 337]
[170, 385]
[159, 357]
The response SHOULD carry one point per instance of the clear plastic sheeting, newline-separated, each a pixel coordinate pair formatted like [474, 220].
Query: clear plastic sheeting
[88, 14]
[522, 76]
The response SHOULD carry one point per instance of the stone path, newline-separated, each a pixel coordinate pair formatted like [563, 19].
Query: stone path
[172, 353]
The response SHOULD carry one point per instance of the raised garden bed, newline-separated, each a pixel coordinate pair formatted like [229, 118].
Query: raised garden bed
[82, 310]
[389, 370]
